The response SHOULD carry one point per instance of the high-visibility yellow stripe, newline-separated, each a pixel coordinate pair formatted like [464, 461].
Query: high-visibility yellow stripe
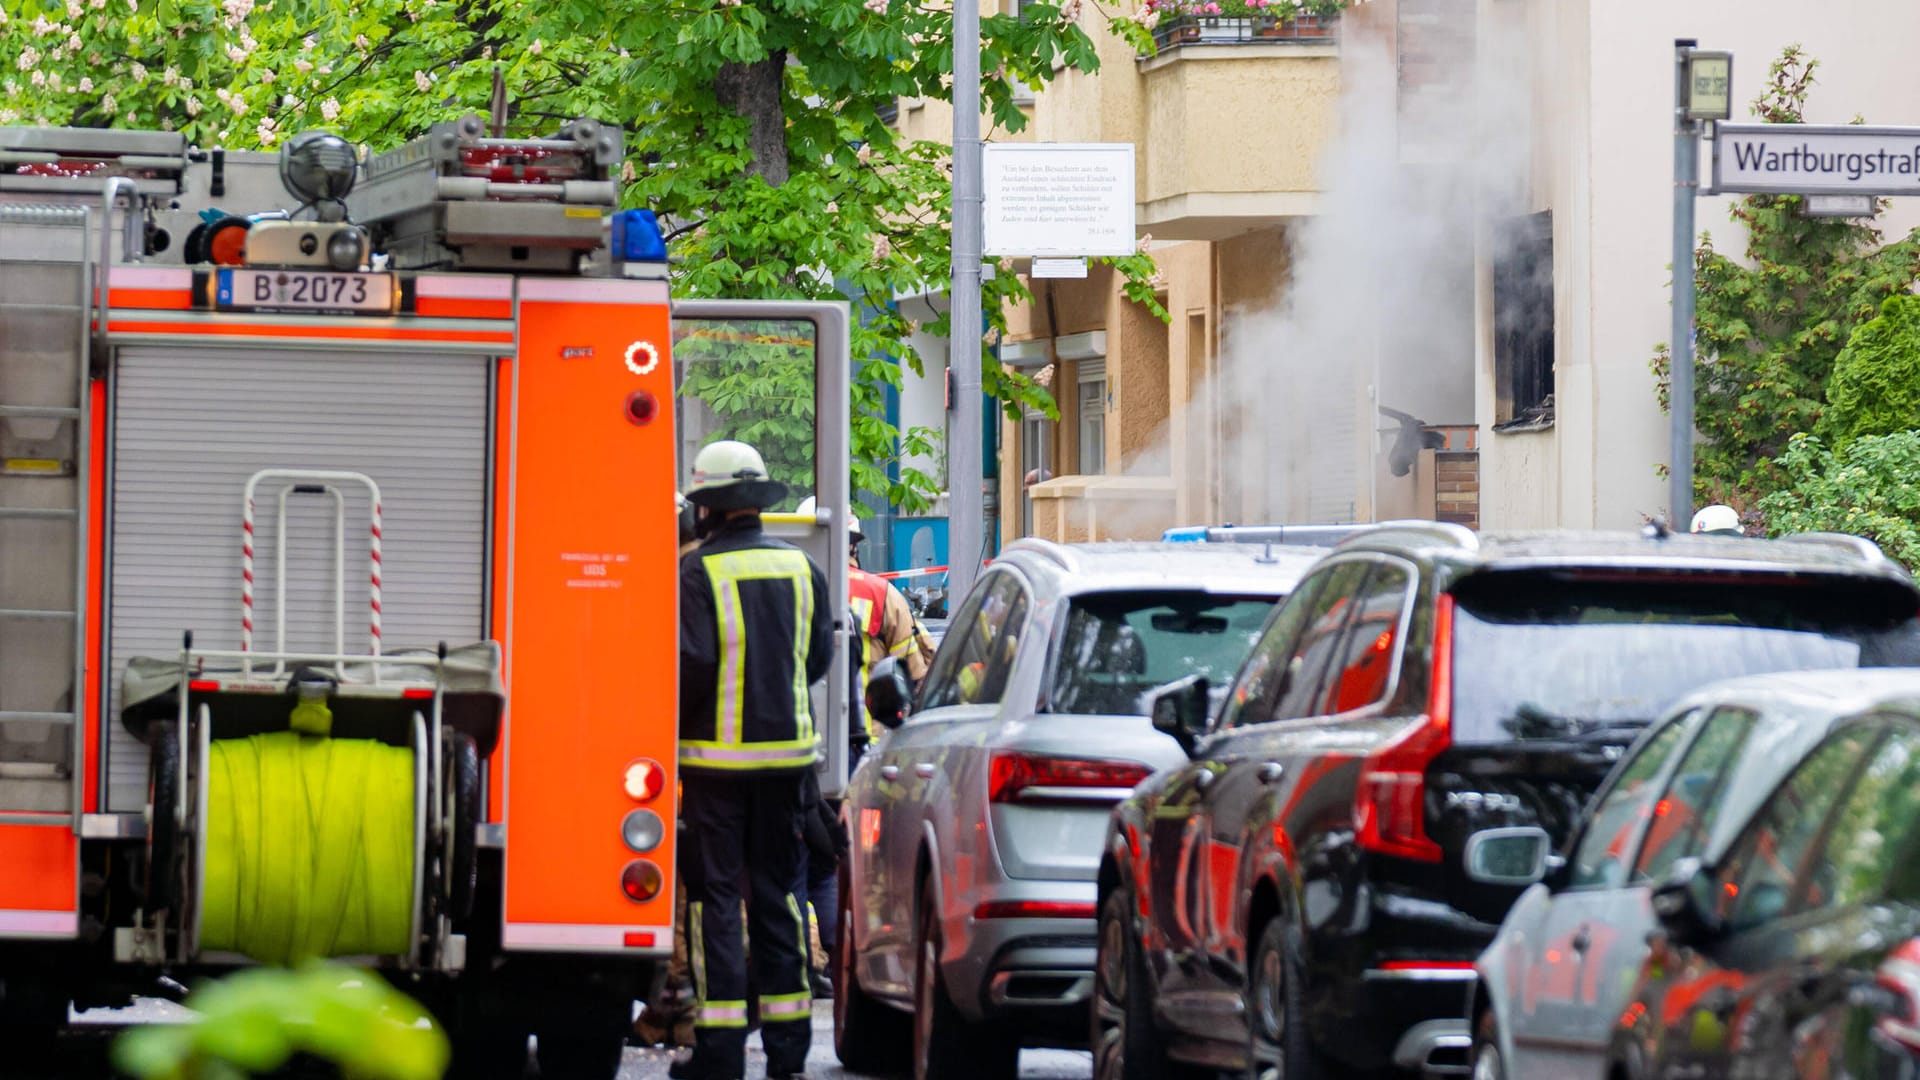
[697, 949]
[800, 935]
[725, 571]
[780, 755]
[721, 1014]
[779, 1007]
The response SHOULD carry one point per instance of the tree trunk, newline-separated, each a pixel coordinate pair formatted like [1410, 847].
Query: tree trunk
[755, 91]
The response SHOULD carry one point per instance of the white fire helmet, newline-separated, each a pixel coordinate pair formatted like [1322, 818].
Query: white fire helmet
[1718, 520]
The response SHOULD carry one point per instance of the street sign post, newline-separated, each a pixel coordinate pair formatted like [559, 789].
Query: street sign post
[1691, 96]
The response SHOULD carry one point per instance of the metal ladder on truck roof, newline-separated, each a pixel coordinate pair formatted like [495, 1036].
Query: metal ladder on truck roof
[48, 268]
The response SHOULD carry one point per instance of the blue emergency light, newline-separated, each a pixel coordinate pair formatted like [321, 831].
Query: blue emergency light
[637, 238]
[1191, 534]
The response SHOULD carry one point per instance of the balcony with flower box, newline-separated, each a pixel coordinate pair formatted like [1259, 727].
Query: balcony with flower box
[1237, 101]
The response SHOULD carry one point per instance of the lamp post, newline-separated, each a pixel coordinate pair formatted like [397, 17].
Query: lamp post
[965, 498]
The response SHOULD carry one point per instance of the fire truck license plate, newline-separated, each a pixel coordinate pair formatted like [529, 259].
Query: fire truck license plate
[304, 290]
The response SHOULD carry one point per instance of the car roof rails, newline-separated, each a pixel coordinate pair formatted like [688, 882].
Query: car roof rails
[1865, 549]
[1048, 550]
[1445, 533]
[1305, 535]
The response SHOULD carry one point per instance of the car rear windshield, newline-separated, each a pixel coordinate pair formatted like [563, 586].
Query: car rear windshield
[1116, 646]
[1562, 656]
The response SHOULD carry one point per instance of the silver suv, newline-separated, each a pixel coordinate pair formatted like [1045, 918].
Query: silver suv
[967, 899]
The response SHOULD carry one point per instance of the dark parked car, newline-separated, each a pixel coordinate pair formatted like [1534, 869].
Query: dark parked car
[1797, 953]
[1297, 895]
[1557, 980]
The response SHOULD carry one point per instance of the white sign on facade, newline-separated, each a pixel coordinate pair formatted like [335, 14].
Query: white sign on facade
[1058, 199]
[1810, 159]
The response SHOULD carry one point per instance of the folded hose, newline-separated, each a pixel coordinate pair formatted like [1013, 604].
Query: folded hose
[309, 848]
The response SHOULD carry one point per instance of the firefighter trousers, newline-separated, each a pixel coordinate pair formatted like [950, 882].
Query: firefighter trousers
[746, 828]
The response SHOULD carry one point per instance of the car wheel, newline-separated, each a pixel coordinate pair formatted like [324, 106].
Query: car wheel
[945, 1045]
[1277, 1044]
[1487, 1062]
[1125, 1044]
[868, 1036]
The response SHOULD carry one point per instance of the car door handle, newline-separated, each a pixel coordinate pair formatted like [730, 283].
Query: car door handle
[889, 772]
[1271, 772]
[1582, 941]
[924, 770]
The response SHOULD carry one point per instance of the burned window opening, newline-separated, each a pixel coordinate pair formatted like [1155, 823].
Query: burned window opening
[1523, 324]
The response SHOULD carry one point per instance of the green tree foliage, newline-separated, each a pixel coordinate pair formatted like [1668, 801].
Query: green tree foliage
[755, 127]
[1870, 488]
[255, 1022]
[1875, 389]
[1771, 326]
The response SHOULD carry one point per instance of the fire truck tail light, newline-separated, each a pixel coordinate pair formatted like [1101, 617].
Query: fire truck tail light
[642, 407]
[645, 780]
[641, 881]
[643, 830]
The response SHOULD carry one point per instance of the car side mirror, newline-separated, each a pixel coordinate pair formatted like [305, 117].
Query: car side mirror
[888, 694]
[1515, 856]
[1684, 903]
[1179, 709]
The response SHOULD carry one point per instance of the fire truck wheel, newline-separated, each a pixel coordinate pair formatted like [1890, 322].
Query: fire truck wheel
[588, 1043]
[163, 834]
[463, 866]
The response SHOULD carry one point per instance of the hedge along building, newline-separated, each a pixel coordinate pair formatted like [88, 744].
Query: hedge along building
[1567, 292]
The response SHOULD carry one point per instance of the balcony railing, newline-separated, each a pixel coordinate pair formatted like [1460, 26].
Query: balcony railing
[1254, 30]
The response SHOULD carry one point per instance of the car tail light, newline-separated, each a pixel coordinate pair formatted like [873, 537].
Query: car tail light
[1015, 777]
[1390, 807]
[1900, 974]
[1034, 909]
[641, 881]
[645, 780]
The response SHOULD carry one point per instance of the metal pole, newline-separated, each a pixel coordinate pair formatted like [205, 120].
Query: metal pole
[964, 487]
[1686, 186]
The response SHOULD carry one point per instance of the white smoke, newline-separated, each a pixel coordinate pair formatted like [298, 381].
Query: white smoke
[1378, 307]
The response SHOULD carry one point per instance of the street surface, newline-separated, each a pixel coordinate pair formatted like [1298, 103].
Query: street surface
[641, 1064]
[822, 1065]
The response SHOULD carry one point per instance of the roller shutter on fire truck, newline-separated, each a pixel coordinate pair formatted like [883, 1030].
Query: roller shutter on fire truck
[190, 426]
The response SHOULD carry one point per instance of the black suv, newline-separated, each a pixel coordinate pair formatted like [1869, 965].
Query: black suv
[1296, 899]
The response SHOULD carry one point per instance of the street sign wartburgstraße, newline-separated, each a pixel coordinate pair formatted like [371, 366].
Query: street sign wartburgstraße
[1813, 159]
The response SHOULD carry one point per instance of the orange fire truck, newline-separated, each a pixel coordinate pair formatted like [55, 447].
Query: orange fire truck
[397, 435]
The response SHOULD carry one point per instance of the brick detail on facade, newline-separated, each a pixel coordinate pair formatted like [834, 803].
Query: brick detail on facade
[1456, 487]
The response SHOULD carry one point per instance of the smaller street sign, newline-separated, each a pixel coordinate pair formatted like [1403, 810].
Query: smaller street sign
[1838, 206]
[1059, 268]
[1814, 159]
[1709, 85]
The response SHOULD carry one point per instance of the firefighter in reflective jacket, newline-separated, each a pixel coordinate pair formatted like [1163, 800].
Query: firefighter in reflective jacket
[756, 629]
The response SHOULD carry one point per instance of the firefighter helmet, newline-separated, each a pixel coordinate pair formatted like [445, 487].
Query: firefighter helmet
[853, 523]
[1718, 520]
[730, 475]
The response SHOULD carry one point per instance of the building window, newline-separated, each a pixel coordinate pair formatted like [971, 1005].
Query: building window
[1523, 323]
[1093, 418]
[1035, 434]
